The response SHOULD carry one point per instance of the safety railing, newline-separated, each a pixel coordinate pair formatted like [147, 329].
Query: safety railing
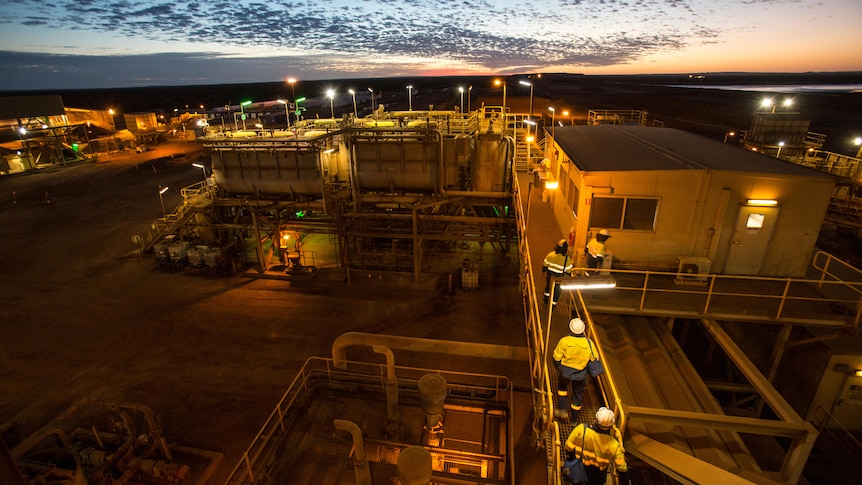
[258, 458]
[831, 296]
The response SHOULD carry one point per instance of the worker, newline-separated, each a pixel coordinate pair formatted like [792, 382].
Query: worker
[571, 356]
[557, 264]
[595, 251]
[597, 449]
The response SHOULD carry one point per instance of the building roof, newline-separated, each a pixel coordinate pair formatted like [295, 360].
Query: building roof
[612, 148]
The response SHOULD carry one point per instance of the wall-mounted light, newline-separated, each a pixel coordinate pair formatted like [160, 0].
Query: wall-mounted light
[588, 282]
[858, 373]
[552, 184]
[762, 202]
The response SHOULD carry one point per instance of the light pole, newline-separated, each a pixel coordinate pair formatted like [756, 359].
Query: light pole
[373, 111]
[162, 190]
[286, 111]
[292, 82]
[461, 90]
[780, 145]
[729, 134]
[526, 83]
[331, 94]
[410, 97]
[503, 83]
[530, 139]
[242, 112]
[858, 142]
[553, 122]
[202, 167]
[353, 93]
[469, 92]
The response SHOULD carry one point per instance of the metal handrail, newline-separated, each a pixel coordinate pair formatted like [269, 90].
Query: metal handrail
[256, 456]
[831, 281]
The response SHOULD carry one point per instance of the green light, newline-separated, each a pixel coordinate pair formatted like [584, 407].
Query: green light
[245, 103]
[299, 100]
[300, 214]
[75, 146]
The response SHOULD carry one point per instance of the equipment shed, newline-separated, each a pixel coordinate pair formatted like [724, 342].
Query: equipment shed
[671, 198]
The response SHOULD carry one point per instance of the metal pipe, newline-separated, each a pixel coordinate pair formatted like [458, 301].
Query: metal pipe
[392, 411]
[449, 347]
[360, 461]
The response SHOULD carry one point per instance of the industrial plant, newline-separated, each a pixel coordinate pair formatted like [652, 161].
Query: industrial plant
[714, 311]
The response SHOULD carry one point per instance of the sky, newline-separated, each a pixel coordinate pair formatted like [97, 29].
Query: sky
[72, 44]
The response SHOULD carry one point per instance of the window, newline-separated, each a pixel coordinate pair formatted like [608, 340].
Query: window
[572, 197]
[630, 213]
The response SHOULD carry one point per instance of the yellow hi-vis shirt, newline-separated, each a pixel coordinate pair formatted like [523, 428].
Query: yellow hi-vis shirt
[596, 249]
[558, 264]
[599, 449]
[574, 352]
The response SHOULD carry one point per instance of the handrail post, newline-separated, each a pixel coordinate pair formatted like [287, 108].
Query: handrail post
[644, 291]
[783, 298]
[712, 279]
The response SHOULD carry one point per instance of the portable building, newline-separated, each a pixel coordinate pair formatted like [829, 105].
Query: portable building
[672, 199]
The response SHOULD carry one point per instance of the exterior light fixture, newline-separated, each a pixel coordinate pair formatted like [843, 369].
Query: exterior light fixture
[461, 90]
[588, 282]
[353, 93]
[780, 146]
[331, 94]
[762, 202]
[286, 112]
[162, 191]
[202, 167]
[498, 82]
[410, 97]
[242, 111]
[552, 185]
[527, 83]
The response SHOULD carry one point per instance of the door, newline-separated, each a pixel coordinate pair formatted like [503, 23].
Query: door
[750, 239]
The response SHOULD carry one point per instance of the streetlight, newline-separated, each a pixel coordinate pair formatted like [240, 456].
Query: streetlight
[858, 142]
[202, 167]
[353, 93]
[242, 112]
[286, 112]
[497, 82]
[331, 94]
[461, 90]
[729, 134]
[553, 122]
[525, 83]
[469, 92]
[162, 190]
[373, 111]
[780, 145]
[530, 139]
[410, 96]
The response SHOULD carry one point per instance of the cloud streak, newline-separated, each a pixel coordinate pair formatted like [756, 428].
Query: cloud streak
[470, 36]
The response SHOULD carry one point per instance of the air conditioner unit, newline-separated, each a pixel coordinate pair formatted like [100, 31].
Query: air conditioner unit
[692, 270]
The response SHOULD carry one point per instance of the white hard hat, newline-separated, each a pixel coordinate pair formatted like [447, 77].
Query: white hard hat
[605, 417]
[576, 325]
[604, 232]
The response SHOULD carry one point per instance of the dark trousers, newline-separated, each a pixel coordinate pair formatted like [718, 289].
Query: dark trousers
[547, 295]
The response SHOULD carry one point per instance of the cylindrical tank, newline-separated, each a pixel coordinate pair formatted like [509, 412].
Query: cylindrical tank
[490, 165]
[414, 466]
[432, 394]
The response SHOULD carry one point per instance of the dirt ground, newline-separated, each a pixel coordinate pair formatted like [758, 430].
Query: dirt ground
[85, 315]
